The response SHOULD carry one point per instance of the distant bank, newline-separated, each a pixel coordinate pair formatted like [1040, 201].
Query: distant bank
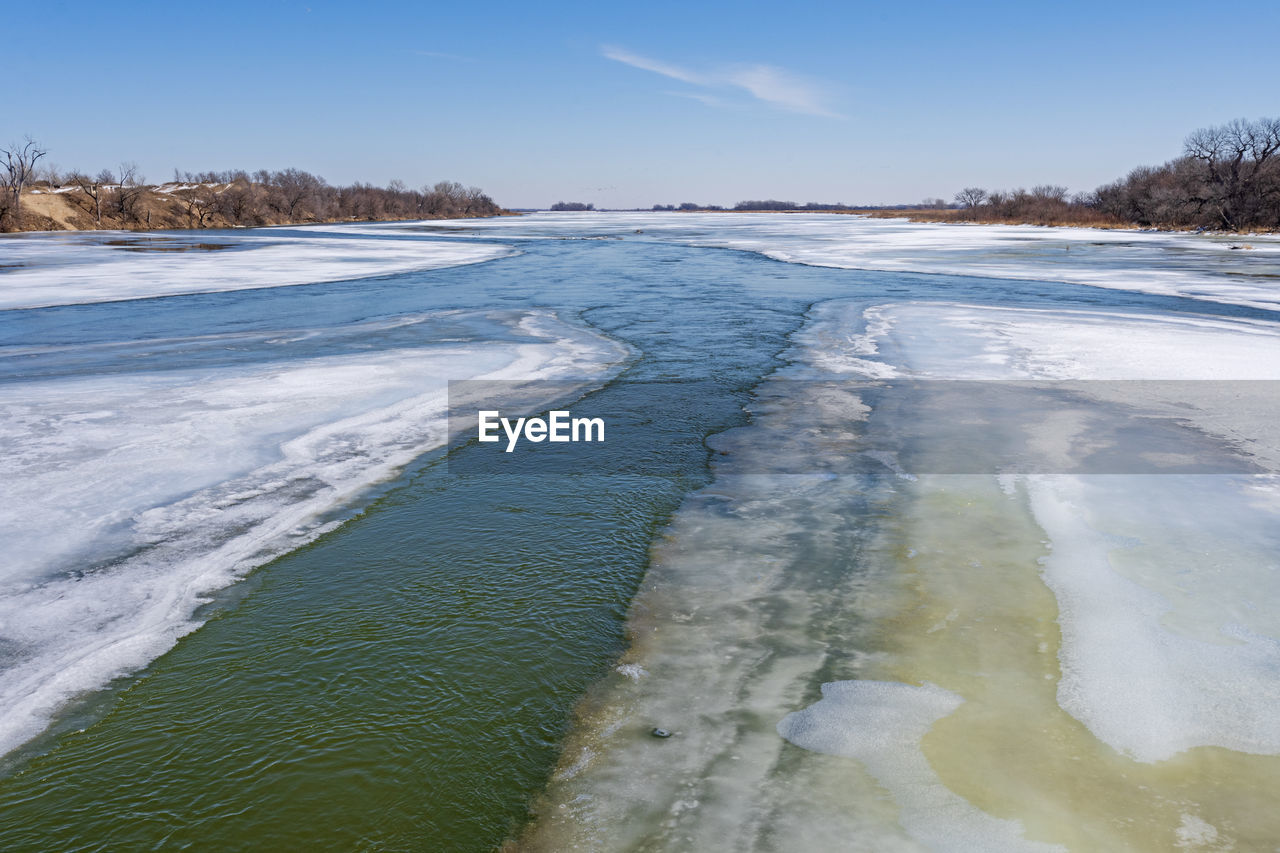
[214, 205]
[1227, 179]
[36, 198]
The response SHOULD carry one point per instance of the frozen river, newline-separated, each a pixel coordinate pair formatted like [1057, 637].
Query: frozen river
[914, 537]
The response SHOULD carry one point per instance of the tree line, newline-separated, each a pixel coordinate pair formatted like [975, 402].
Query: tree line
[768, 204]
[812, 206]
[1227, 178]
[688, 205]
[773, 204]
[121, 197]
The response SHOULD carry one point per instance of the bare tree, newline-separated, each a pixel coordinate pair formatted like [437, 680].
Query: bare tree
[971, 197]
[129, 190]
[201, 203]
[241, 202]
[52, 174]
[1050, 192]
[295, 189]
[1235, 156]
[19, 169]
[93, 189]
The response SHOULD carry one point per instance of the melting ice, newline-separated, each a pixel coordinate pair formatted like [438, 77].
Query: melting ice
[992, 659]
[129, 498]
[1212, 268]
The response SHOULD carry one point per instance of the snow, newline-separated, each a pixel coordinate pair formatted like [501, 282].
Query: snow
[1203, 267]
[88, 273]
[985, 342]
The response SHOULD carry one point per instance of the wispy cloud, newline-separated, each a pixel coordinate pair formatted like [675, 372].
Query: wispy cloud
[769, 84]
[636, 61]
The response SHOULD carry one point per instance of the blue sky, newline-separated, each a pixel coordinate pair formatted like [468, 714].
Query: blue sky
[632, 104]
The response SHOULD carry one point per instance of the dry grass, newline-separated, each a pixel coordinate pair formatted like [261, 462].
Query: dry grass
[73, 210]
[1082, 219]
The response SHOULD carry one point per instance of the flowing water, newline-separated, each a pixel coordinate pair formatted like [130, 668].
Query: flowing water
[886, 580]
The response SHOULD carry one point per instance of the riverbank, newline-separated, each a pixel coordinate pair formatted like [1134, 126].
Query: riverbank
[958, 215]
[103, 206]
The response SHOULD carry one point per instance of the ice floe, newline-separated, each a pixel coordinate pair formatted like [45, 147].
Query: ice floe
[46, 270]
[1197, 266]
[128, 499]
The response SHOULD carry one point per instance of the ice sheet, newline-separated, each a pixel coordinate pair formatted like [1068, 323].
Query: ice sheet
[1165, 588]
[982, 342]
[993, 676]
[128, 499]
[95, 272]
[1215, 268]
[882, 724]
[1163, 582]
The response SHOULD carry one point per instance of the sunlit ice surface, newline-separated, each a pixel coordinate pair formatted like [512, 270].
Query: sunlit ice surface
[61, 269]
[911, 637]
[1233, 269]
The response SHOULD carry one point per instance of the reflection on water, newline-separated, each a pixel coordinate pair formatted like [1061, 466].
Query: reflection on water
[160, 244]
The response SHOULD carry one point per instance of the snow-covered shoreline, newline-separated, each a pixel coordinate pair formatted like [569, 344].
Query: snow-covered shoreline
[88, 272]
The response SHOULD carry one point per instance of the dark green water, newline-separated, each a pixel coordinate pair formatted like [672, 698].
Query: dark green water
[403, 683]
